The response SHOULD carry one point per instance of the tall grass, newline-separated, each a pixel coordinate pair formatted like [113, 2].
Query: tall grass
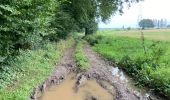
[147, 61]
[29, 69]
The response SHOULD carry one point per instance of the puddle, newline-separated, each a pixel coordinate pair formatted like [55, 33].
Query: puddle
[91, 90]
[120, 76]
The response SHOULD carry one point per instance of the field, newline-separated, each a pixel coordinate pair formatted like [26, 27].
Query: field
[152, 34]
[145, 59]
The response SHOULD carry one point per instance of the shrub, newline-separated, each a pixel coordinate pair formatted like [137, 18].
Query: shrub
[23, 23]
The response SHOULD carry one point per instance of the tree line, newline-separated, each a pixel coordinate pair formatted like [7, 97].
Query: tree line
[160, 23]
[151, 23]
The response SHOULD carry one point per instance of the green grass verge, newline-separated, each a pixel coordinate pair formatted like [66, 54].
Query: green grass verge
[81, 59]
[29, 69]
[148, 64]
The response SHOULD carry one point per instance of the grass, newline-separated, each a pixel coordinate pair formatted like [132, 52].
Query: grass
[29, 69]
[152, 34]
[81, 59]
[147, 61]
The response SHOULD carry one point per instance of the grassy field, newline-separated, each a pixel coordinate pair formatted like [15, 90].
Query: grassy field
[146, 60]
[152, 34]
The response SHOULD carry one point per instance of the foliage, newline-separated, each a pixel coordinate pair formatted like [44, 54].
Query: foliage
[23, 23]
[93, 39]
[85, 12]
[91, 27]
[63, 24]
[146, 23]
[150, 68]
[81, 59]
[29, 69]
[26, 24]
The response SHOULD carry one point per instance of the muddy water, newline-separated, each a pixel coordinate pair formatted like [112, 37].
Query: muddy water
[66, 91]
[120, 76]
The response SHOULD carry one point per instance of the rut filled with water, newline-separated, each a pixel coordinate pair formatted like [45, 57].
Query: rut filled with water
[90, 90]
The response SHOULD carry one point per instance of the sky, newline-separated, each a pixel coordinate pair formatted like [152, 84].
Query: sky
[152, 9]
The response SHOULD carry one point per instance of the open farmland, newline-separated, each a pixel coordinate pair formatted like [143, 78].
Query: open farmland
[152, 34]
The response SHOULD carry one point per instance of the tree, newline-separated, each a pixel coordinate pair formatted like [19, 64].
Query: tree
[146, 23]
[85, 12]
[168, 26]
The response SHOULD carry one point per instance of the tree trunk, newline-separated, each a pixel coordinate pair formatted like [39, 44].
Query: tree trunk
[86, 31]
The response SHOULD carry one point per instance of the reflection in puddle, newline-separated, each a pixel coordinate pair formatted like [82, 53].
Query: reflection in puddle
[118, 74]
[115, 71]
[66, 91]
[122, 77]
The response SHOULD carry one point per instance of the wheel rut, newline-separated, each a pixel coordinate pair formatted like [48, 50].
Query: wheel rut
[62, 69]
[101, 70]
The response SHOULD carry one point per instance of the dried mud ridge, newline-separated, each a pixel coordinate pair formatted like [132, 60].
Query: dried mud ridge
[100, 70]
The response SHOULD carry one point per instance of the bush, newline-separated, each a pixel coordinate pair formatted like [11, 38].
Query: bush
[23, 23]
[93, 39]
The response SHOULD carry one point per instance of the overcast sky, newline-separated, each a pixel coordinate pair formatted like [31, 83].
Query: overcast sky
[153, 9]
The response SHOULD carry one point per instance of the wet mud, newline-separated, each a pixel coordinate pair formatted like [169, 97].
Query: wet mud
[90, 90]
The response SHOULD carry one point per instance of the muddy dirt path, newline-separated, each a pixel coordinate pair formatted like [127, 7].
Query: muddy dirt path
[63, 68]
[102, 70]
[102, 81]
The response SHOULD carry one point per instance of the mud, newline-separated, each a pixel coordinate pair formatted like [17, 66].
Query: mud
[102, 70]
[90, 90]
[63, 68]
[102, 81]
